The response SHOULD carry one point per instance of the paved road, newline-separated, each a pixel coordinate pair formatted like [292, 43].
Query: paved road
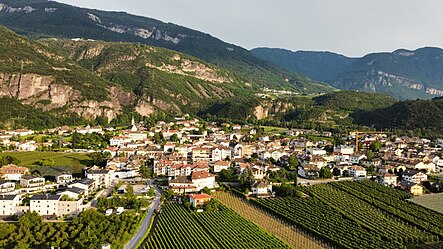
[146, 222]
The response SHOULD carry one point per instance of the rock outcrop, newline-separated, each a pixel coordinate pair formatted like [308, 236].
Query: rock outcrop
[46, 93]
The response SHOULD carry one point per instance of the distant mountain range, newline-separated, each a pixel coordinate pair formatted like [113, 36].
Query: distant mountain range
[41, 18]
[403, 74]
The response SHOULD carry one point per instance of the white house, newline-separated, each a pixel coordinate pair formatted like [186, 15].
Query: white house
[8, 203]
[258, 172]
[355, 159]
[202, 179]
[119, 140]
[20, 132]
[182, 185]
[316, 151]
[102, 177]
[6, 186]
[32, 181]
[69, 207]
[345, 150]
[45, 204]
[86, 184]
[169, 146]
[64, 178]
[357, 172]
[428, 166]
[262, 188]
[414, 176]
[221, 165]
[12, 172]
[388, 179]
[221, 153]
[73, 192]
[308, 171]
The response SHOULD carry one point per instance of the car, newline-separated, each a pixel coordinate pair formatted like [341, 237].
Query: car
[109, 212]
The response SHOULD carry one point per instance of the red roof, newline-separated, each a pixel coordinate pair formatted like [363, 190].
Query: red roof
[201, 196]
[201, 174]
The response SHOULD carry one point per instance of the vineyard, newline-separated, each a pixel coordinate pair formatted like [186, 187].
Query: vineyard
[359, 215]
[176, 227]
[233, 231]
[293, 236]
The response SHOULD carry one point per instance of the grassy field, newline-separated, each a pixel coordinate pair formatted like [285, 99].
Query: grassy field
[431, 201]
[268, 129]
[64, 162]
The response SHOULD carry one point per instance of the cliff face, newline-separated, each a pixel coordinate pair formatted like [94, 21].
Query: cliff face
[269, 108]
[46, 93]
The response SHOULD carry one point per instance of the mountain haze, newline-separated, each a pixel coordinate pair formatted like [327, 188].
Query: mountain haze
[403, 74]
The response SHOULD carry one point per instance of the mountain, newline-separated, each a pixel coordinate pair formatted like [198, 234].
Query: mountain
[42, 78]
[162, 79]
[425, 116]
[403, 74]
[321, 66]
[54, 81]
[330, 111]
[41, 18]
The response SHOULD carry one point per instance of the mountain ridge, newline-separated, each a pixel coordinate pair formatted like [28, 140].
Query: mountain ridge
[43, 19]
[88, 80]
[405, 74]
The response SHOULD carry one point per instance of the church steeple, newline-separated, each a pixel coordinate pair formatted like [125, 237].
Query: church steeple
[134, 128]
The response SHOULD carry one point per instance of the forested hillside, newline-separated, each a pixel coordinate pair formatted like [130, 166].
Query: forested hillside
[41, 18]
[403, 74]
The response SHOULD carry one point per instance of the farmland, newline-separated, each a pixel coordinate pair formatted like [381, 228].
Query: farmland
[176, 227]
[63, 162]
[233, 231]
[280, 228]
[359, 215]
[434, 201]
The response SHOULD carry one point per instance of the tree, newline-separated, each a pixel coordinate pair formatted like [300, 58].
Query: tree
[370, 154]
[151, 191]
[375, 146]
[75, 140]
[206, 190]
[46, 162]
[247, 178]
[227, 175]
[187, 204]
[98, 158]
[130, 191]
[157, 138]
[212, 205]
[292, 162]
[336, 172]
[325, 173]
[174, 138]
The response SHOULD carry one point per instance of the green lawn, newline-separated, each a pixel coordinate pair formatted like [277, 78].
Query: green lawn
[64, 162]
[431, 201]
[273, 129]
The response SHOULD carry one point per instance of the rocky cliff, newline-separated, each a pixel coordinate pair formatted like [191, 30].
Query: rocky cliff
[46, 93]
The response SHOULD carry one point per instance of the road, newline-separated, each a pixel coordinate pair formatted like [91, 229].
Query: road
[146, 222]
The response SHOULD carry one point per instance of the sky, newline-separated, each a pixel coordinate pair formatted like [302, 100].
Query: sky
[349, 27]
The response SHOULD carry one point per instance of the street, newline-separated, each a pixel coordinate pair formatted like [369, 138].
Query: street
[146, 221]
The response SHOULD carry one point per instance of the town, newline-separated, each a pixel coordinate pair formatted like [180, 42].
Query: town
[188, 159]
